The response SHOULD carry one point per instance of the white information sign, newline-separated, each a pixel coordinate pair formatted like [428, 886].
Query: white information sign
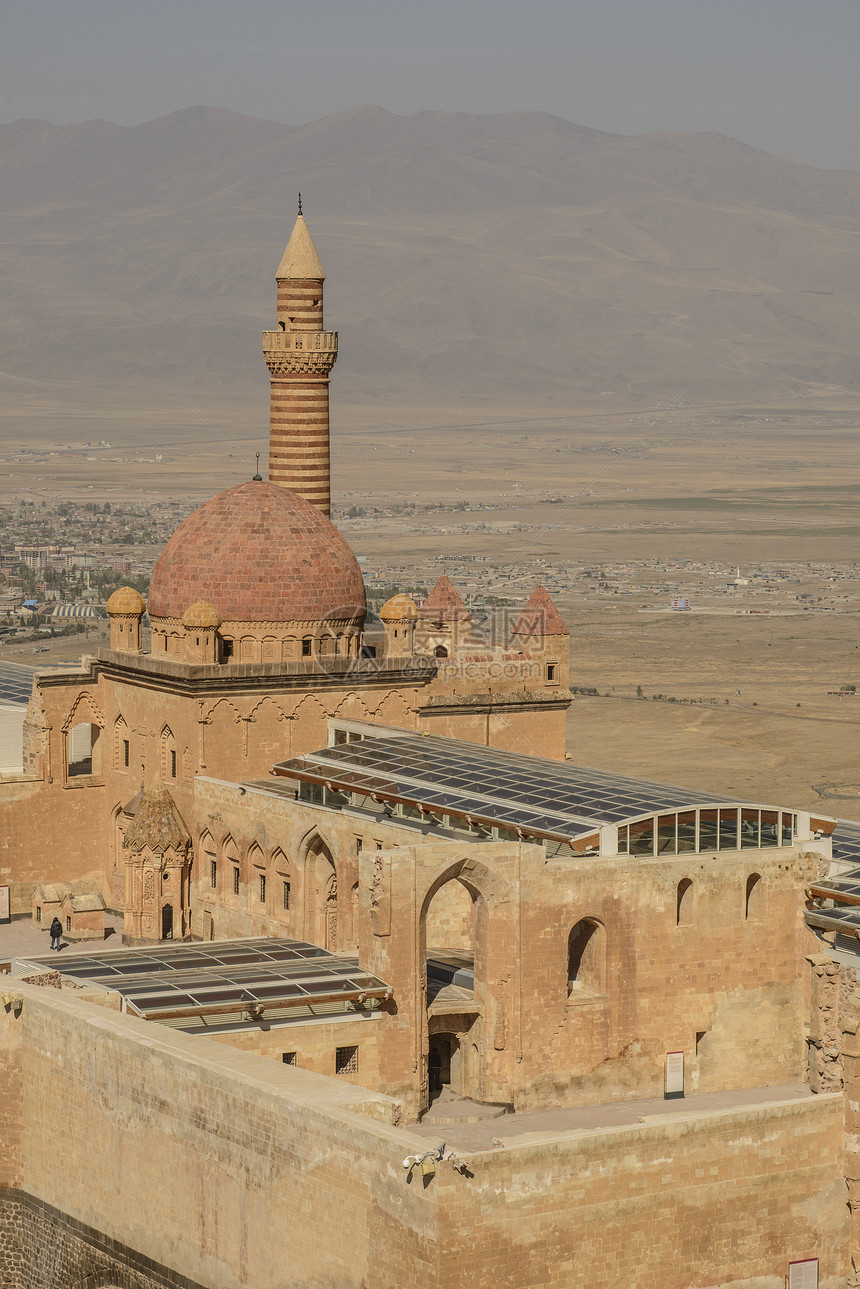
[4, 904]
[803, 1275]
[674, 1074]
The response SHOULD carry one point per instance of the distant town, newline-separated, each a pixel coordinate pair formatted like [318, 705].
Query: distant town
[60, 561]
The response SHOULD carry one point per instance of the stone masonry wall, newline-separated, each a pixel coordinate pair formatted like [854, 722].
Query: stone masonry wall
[194, 1165]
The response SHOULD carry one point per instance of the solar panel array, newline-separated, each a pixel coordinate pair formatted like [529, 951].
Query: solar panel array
[843, 888]
[16, 681]
[225, 975]
[513, 791]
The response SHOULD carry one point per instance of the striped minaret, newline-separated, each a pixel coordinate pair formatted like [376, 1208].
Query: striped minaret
[300, 356]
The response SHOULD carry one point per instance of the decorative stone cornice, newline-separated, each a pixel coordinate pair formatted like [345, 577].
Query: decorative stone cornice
[291, 352]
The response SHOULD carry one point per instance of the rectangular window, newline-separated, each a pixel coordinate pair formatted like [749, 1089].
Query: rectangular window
[686, 832]
[262, 888]
[172, 763]
[379, 845]
[666, 841]
[68, 925]
[550, 672]
[306, 648]
[749, 829]
[235, 881]
[642, 837]
[803, 1275]
[358, 845]
[286, 895]
[346, 1060]
[708, 834]
[769, 828]
[788, 829]
[38, 913]
[213, 874]
[125, 753]
[289, 1058]
[728, 830]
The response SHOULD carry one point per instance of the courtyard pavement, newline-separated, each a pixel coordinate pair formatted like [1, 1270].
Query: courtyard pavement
[22, 938]
[496, 1133]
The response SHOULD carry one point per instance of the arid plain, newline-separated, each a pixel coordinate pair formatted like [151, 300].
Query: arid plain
[745, 707]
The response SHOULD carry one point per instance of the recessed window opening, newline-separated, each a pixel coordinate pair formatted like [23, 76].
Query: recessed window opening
[235, 881]
[289, 1058]
[68, 924]
[286, 896]
[38, 913]
[753, 900]
[550, 670]
[173, 763]
[226, 648]
[346, 1060]
[684, 903]
[213, 874]
[82, 742]
[126, 752]
[307, 645]
[262, 888]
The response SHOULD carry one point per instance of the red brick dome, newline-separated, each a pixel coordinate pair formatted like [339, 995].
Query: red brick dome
[257, 553]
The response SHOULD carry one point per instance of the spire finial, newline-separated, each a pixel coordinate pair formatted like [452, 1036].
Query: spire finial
[258, 478]
[300, 203]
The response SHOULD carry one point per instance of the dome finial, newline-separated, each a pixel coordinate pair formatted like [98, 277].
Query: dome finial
[258, 478]
[300, 203]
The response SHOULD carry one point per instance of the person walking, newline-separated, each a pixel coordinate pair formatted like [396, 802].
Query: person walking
[56, 934]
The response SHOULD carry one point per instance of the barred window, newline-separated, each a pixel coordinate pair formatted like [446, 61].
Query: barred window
[289, 1058]
[346, 1060]
[125, 752]
[235, 881]
[262, 888]
[286, 895]
[213, 874]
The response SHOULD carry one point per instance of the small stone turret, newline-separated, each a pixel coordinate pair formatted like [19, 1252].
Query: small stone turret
[444, 621]
[300, 356]
[157, 849]
[126, 608]
[541, 633]
[399, 615]
[201, 623]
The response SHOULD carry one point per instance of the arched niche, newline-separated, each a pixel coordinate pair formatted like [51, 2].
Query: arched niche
[451, 918]
[322, 893]
[586, 957]
[684, 902]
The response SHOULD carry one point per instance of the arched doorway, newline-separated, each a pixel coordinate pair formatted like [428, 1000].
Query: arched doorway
[444, 1063]
[167, 922]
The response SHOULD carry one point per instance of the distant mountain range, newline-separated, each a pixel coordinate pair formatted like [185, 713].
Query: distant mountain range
[513, 259]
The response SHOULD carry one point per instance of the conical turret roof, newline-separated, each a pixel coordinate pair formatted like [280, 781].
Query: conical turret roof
[157, 824]
[444, 604]
[540, 617]
[300, 259]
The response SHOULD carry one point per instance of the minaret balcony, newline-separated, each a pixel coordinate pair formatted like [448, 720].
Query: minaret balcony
[299, 351]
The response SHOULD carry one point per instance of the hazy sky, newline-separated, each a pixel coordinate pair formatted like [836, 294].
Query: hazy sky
[780, 74]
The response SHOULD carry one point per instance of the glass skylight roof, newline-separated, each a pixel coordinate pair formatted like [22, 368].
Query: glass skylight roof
[519, 792]
[228, 976]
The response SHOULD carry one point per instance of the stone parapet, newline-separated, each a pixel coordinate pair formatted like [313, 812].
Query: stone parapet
[287, 352]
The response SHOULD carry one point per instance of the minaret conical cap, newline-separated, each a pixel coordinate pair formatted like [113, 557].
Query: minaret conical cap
[300, 259]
